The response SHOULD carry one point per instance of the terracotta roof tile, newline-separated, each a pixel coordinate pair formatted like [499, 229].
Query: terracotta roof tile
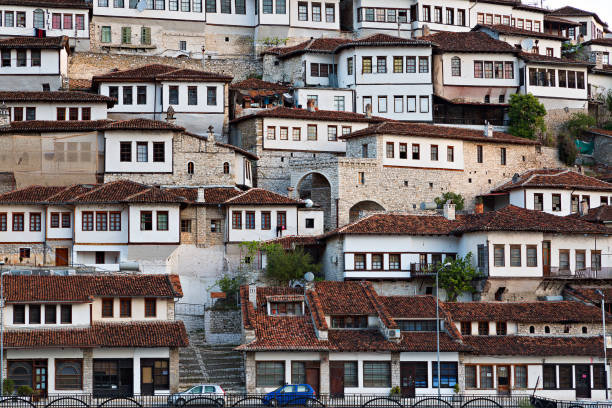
[219, 195]
[607, 42]
[569, 11]
[34, 42]
[35, 126]
[425, 130]
[588, 294]
[318, 45]
[79, 4]
[318, 316]
[471, 41]
[601, 214]
[524, 312]
[379, 40]
[292, 241]
[411, 307]
[238, 150]
[246, 308]
[258, 84]
[263, 292]
[296, 113]
[160, 72]
[30, 194]
[344, 298]
[539, 58]
[259, 196]
[155, 195]
[79, 84]
[510, 30]
[193, 75]
[399, 224]
[555, 178]
[381, 309]
[68, 193]
[141, 124]
[285, 298]
[54, 96]
[135, 334]
[535, 345]
[115, 191]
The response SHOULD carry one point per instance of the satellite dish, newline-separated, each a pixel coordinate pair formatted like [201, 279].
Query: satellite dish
[309, 276]
[527, 44]
[142, 4]
[308, 202]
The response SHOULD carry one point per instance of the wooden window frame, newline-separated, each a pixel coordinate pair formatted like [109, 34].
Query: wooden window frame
[103, 310]
[59, 361]
[147, 310]
[122, 312]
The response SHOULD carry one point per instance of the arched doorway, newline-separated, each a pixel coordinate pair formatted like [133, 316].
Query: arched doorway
[362, 208]
[316, 187]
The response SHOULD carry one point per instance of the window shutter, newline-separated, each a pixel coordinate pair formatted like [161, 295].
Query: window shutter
[126, 35]
[146, 35]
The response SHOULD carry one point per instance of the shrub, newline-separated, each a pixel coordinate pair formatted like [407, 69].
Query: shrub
[567, 149]
[24, 391]
[526, 115]
[8, 386]
[457, 199]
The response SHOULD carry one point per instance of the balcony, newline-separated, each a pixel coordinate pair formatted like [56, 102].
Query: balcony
[587, 273]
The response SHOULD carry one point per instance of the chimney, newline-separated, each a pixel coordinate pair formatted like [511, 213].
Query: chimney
[5, 116]
[368, 111]
[290, 191]
[449, 211]
[253, 295]
[211, 133]
[200, 198]
[599, 60]
[425, 30]
[170, 116]
[488, 129]
[310, 105]
[584, 207]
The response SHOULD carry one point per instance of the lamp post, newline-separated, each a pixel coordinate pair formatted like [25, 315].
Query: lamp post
[603, 327]
[438, 323]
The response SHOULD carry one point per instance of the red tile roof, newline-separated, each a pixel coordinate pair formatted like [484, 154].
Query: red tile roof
[545, 59]
[555, 178]
[510, 30]
[55, 97]
[135, 334]
[160, 72]
[317, 45]
[472, 41]
[602, 132]
[422, 129]
[588, 294]
[79, 84]
[219, 195]
[345, 298]
[259, 196]
[524, 312]
[535, 345]
[79, 4]
[305, 114]
[155, 195]
[258, 85]
[285, 298]
[601, 215]
[141, 124]
[238, 150]
[606, 42]
[381, 40]
[30, 194]
[82, 288]
[569, 11]
[36, 126]
[292, 241]
[555, 19]
[411, 307]
[398, 224]
[35, 42]
[318, 316]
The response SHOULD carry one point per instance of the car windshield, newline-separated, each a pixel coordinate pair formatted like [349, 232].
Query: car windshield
[288, 388]
[195, 390]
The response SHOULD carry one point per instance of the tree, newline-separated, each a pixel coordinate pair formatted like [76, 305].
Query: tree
[578, 123]
[526, 115]
[567, 149]
[457, 199]
[284, 267]
[608, 100]
[457, 277]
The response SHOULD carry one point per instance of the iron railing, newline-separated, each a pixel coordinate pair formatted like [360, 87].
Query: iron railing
[585, 273]
[323, 401]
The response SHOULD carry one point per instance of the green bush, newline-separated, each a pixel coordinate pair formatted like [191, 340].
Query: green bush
[578, 123]
[457, 199]
[24, 391]
[567, 149]
[526, 115]
[8, 386]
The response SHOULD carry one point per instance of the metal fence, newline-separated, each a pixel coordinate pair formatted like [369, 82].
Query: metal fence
[323, 401]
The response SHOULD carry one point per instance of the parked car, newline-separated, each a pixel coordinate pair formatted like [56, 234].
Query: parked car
[290, 394]
[210, 392]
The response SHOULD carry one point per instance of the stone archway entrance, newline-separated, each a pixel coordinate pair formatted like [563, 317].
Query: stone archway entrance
[316, 187]
[363, 208]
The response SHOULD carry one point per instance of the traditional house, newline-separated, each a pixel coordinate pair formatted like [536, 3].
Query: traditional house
[529, 41]
[106, 335]
[198, 99]
[34, 64]
[591, 25]
[345, 338]
[252, 94]
[55, 105]
[47, 18]
[555, 191]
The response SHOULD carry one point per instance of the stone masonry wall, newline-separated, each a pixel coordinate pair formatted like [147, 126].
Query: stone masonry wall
[40, 254]
[572, 329]
[223, 326]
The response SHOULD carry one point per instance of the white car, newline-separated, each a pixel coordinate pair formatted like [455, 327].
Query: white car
[199, 394]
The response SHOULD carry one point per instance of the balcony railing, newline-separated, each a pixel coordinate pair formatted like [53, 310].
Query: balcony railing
[468, 121]
[586, 273]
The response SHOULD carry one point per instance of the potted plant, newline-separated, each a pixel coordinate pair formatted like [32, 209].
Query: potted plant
[25, 392]
[395, 392]
[457, 391]
[479, 208]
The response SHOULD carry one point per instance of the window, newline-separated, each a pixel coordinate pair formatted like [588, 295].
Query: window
[410, 65]
[173, 95]
[34, 314]
[211, 6]
[501, 328]
[24, 253]
[416, 152]
[579, 80]
[18, 314]
[267, 7]
[538, 201]
[450, 16]
[21, 58]
[361, 176]
[532, 255]
[127, 95]
[366, 65]
[6, 58]
[346, 130]
[65, 220]
[211, 95]
[565, 376]
[281, 220]
[236, 219]
[456, 66]
[159, 154]
[21, 19]
[563, 259]
[394, 262]
[270, 373]
[35, 221]
[316, 11]
[515, 255]
[271, 133]
[398, 65]
[499, 255]
[85, 113]
[303, 11]
[185, 5]
[580, 260]
[433, 152]
[142, 152]
[17, 222]
[68, 374]
[502, 156]
[549, 376]
[398, 104]
[461, 17]
[146, 221]
[599, 376]
[125, 151]
[376, 374]
[349, 66]
[596, 260]
[339, 103]
[488, 69]
[417, 325]
[479, 155]
[284, 133]
[571, 79]
[390, 150]
[332, 133]
[9, 19]
[330, 13]
[50, 314]
[448, 374]
[162, 220]
[486, 377]
[377, 262]
[426, 13]
[101, 221]
[186, 226]
[450, 154]
[424, 104]
[470, 376]
[126, 35]
[466, 328]
[438, 15]
[240, 6]
[150, 307]
[381, 65]
[423, 65]
[508, 70]
[107, 307]
[360, 261]
[312, 132]
[403, 151]
[556, 202]
[478, 72]
[483, 328]
[226, 6]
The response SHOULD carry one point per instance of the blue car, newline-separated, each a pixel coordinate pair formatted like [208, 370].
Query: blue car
[291, 394]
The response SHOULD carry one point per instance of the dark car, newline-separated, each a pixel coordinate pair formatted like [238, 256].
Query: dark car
[299, 394]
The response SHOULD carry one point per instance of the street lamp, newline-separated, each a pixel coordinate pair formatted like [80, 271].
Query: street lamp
[438, 322]
[603, 327]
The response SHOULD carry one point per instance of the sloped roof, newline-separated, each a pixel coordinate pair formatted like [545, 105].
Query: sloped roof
[79, 4]
[159, 72]
[539, 58]
[382, 40]
[35, 42]
[35, 126]
[471, 41]
[297, 113]
[54, 96]
[258, 85]
[601, 214]
[570, 11]
[259, 196]
[398, 224]
[521, 32]
[555, 178]
[193, 75]
[422, 129]
[316, 45]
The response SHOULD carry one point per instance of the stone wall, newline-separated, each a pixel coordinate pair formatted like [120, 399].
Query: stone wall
[560, 329]
[174, 369]
[555, 118]
[223, 326]
[40, 254]
[602, 152]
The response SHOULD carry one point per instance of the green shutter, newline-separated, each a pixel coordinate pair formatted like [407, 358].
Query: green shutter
[126, 35]
[145, 35]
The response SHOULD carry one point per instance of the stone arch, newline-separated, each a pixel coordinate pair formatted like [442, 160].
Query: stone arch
[362, 208]
[316, 187]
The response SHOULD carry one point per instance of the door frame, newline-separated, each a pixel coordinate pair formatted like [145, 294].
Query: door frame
[67, 258]
[408, 367]
[151, 366]
[503, 389]
[333, 367]
[588, 389]
[546, 258]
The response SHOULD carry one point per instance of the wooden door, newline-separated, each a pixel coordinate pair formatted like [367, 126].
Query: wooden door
[503, 379]
[336, 378]
[312, 375]
[61, 256]
[40, 378]
[407, 379]
[583, 381]
[146, 380]
[546, 258]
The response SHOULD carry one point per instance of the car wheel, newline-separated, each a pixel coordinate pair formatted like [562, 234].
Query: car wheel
[180, 402]
[273, 402]
[220, 401]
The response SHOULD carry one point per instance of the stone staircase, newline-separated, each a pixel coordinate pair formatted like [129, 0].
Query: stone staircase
[201, 363]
